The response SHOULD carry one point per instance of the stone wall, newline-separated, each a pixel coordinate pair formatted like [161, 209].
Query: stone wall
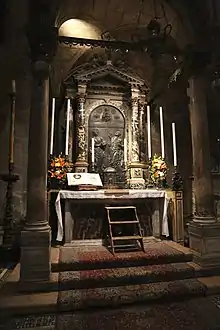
[14, 64]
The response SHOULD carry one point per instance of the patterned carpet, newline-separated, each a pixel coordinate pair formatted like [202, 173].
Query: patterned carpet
[72, 300]
[124, 276]
[100, 257]
[97, 278]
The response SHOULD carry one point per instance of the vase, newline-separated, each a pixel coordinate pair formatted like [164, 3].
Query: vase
[56, 184]
[161, 184]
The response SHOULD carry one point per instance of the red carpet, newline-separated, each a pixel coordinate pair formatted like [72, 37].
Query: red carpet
[124, 276]
[125, 295]
[100, 257]
[93, 277]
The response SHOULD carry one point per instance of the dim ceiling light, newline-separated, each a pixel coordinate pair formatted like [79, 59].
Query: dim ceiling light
[79, 29]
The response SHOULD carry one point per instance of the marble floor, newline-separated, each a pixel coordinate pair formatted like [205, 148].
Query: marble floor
[198, 313]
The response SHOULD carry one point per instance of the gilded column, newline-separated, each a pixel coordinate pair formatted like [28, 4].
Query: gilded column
[136, 180]
[204, 230]
[81, 164]
[36, 235]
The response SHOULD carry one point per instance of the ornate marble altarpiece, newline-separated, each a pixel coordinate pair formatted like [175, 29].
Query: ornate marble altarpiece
[108, 103]
[109, 107]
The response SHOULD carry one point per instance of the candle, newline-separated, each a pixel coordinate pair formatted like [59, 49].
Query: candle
[12, 127]
[52, 126]
[125, 151]
[93, 150]
[13, 87]
[162, 133]
[67, 127]
[174, 145]
[148, 132]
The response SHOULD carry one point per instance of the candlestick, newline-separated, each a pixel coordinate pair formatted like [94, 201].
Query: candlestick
[162, 133]
[93, 150]
[174, 145]
[13, 87]
[67, 127]
[10, 178]
[52, 126]
[148, 132]
[12, 124]
[125, 152]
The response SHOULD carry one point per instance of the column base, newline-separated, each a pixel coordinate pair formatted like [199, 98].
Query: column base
[136, 180]
[136, 183]
[204, 240]
[35, 255]
[1, 235]
[81, 167]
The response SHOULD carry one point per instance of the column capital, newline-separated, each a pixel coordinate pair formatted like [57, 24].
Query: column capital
[81, 98]
[42, 41]
[41, 31]
[197, 88]
[142, 102]
[142, 98]
[197, 59]
[135, 92]
[134, 101]
[81, 87]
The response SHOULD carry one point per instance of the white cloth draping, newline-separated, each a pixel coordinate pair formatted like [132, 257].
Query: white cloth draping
[106, 196]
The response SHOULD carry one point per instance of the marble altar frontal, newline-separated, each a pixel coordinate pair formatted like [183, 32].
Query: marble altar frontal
[84, 215]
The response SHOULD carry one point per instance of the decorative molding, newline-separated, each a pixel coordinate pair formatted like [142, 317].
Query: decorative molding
[87, 73]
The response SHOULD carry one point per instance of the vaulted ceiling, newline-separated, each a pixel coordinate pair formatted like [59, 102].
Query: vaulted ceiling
[124, 20]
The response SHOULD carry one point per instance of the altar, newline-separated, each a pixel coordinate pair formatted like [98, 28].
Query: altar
[106, 129]
[84, 219]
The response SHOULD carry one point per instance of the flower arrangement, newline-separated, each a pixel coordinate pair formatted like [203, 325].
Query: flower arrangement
[58, 169]
[158, 171]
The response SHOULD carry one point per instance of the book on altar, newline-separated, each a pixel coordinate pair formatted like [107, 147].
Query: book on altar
[80, 179]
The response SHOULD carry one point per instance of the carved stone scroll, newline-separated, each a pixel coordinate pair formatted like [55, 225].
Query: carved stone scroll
[135, 130]
[136, 180]
[142, 135]
[81, 159]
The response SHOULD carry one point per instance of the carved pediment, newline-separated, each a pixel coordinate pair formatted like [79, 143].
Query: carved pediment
[114, 75]
[107, 80]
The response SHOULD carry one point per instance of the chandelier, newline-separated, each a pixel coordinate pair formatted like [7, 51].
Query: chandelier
[153, 40]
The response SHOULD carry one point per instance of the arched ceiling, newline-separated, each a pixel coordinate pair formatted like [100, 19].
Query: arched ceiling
[123, 19]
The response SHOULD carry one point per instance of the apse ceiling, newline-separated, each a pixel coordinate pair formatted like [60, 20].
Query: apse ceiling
[116, 20]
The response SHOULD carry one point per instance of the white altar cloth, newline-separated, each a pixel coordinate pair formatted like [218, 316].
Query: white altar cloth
[107, 195]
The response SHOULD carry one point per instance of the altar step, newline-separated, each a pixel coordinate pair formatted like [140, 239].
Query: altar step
[99, 257]
[17, 304]
[117, 296]
[164, 273]
[103, 278]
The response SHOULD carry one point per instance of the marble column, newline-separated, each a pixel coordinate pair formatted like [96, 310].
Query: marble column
[71, 132]
[136, 180]
[204, 230]
[81, 164]
[142, 131]
[36, 235]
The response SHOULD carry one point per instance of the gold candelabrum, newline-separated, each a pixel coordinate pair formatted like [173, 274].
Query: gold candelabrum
[10, 178]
